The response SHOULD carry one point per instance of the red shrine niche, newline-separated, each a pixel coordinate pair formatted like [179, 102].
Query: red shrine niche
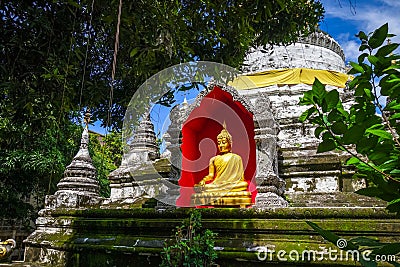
[199, 140]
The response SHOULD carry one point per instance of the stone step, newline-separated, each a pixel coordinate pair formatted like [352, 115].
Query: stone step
[334, 199]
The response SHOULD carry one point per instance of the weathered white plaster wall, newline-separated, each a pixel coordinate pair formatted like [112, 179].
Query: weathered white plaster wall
[318, 51]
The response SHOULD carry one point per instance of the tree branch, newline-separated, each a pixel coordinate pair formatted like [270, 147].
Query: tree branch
[350, 152]
[384, 117]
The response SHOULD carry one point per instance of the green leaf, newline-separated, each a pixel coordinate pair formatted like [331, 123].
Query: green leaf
[331, 237]
[394, 116]
[378, 36]
[134, 52]
[326, 136]
[392, 67]
[394, 206]
[368, 94]
[326, 145]
[354, 82]
[370, 192]
[365, 241]
[373, 59]
[362, 57]
[353, 134]
[389, 88]
[394, 80]
[378, 157]
[307, 99]
[362, 36]
[359, 91]
[365, 85]
[306, 114]
[335, 115]
[389, 165]
[366, 143]
[352, 160]
[375, 126]
[357, 68]
[332, 99]
[328, 235]
[386, 50]
[339, 127]
[318, 90]
[318, 131]
[363, 47]
[392, 104]
[395, 91]
[381, 133]
[389, 249]
[386, 89]
[343, 112]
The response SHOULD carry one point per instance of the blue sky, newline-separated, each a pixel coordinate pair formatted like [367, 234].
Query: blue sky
[345, 18]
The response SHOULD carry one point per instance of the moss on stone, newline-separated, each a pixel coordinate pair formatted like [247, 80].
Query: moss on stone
[162, 166]
[138, 234]
[234, 213]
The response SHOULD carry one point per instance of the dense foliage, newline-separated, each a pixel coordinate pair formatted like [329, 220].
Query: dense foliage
[56, 58]
[193, 246]
[371, 138]
[31, 162]
[44, 45]
[106, 154]
[368, 131]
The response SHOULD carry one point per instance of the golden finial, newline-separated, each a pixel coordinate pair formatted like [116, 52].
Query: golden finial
[224, 133]
[86, 117]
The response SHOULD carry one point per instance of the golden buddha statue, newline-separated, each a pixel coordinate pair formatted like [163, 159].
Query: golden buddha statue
[226, 173]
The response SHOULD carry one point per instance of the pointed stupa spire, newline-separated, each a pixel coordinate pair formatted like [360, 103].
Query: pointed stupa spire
[184, 104]
[143, 149]
[145, 139]
[86, 118]
[80, 175]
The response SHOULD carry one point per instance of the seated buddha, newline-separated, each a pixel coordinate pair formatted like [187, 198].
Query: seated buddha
[226, 174]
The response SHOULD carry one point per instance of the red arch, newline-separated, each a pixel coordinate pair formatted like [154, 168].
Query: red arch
[199, 134]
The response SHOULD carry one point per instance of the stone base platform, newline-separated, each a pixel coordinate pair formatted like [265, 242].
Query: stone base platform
[232, 199]
[246, 237]
[17, 264]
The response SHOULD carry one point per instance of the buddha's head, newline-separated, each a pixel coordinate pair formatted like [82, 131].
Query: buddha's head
[224, 140]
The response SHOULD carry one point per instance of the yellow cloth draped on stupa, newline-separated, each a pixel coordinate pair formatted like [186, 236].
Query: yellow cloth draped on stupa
[290, 76]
